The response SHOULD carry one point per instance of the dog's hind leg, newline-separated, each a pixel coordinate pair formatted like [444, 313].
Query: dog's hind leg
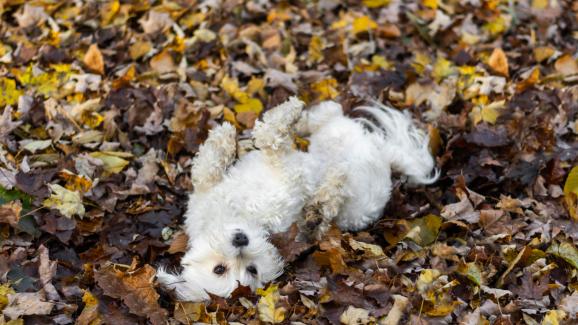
[214, 156]
[317, 116]
[273, 133]
[325, 204]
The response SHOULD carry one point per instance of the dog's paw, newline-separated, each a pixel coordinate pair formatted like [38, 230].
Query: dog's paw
[311, 224]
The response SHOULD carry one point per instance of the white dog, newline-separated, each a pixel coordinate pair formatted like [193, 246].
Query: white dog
[344, 177]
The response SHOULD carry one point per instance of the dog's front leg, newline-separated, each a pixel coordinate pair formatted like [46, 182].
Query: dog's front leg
[273, 134]
[214, 157]
[325, 204]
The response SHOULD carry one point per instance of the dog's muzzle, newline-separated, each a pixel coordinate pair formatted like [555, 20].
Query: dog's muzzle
[240, 240]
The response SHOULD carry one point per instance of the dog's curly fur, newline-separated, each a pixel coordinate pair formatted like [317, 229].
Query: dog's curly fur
[345, 177]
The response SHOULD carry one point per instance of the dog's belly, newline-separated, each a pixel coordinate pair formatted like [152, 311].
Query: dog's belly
[272, 196]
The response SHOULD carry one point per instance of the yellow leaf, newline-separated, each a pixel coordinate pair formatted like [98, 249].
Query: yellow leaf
[380, 61]
[266, 305]
[229, 116]
[420, 62]
[369, 250]
[497, 26]
[443, 68]
[566, 65]
[571, 193]
[543, 53]
[553, 317]
[375, 3]
[443, 308]
[425, 279]
[424, 231]
[108, 11]
[499, 62]
[112, 161]
[363, 24]
[316, 49]
[571, 185]
[231, 87]
[566, 251]
[433, 4]
[89, 299]
[46, 83]
[255, 85]
[472, 271]
[139, 49]
[68, 203]
[326, 89]
[539, 4]
[78, 183]
[9, 94]
[93, 59]
[250, 105]
[5, 290]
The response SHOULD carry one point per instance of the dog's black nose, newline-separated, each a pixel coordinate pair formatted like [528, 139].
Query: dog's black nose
[240, 240]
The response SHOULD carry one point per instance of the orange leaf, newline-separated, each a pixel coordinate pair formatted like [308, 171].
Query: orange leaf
[499, 62]
[93, 59]
[566, 65]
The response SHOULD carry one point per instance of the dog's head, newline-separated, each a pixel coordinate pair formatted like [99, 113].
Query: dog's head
[221, 258]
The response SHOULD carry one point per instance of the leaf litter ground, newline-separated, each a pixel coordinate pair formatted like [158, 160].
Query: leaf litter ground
[105, 103]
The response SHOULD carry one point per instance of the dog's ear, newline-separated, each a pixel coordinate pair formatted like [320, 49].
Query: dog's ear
[183, 289]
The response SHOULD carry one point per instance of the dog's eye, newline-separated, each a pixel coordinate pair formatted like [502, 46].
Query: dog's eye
[220, 269]
[252, 269]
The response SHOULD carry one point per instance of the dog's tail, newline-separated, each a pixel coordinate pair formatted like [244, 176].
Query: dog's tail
[406, 146]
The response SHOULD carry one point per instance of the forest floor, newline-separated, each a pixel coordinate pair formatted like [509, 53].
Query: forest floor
[104, 103]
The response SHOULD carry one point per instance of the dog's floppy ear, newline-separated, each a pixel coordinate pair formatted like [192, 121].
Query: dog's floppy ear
[184, 290]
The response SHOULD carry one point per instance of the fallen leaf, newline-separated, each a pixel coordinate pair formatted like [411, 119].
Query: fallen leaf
[566, 65]
[163, 62]
[543, 53]
[93, 59]
[424, 231]
[565, 251]
[571, 193]
[326, 89]
[113, 162]
[569, 304]
[363, 24]
[9, 95]
[68, 203]
[472, 271]
[89, 314]
[553, 317]
[268, 312]
[369, 250]
[10, 213]
[375, 3]
[136, 290]
[353, 316]
[396, 312]
[499, 62]
[26, 304]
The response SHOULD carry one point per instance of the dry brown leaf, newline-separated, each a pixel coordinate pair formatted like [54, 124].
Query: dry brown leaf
[163, 62]
[179, 243]
[566, 65]
[136, 290]
[10, 213]
[27, 303]
[93, 59]
[499, 62]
